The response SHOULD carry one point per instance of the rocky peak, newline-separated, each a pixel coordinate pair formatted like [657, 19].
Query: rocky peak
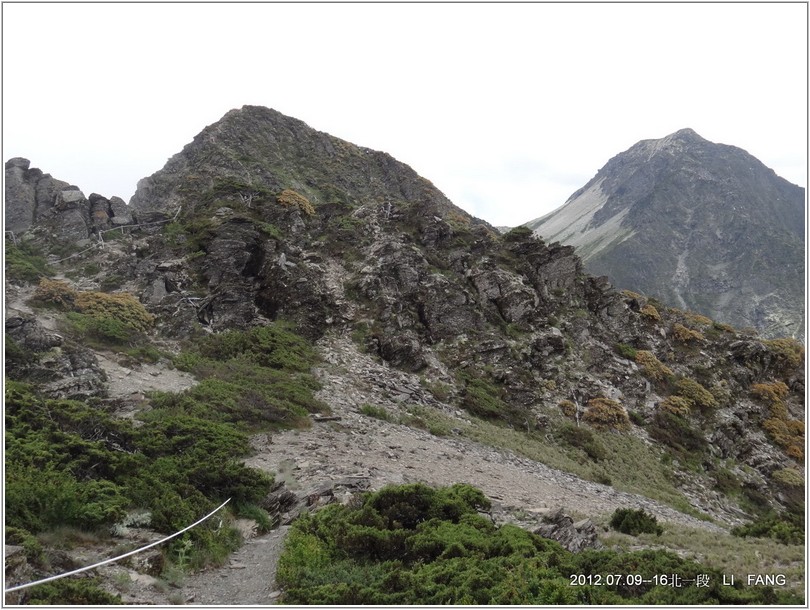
[707, 226]
[682, 140]
[259, 150]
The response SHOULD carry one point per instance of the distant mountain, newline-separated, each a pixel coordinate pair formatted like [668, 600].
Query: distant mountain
[703, 226]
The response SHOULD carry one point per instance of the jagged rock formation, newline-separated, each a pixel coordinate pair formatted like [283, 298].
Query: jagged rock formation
[702, 226]
[57, 209]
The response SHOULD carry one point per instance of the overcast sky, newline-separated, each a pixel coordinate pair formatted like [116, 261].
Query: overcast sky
[507, 108]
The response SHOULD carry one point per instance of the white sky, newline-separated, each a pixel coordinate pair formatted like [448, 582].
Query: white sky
[507, 108]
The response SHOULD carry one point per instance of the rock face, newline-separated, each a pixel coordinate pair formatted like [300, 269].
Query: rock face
[703, 226]
[60, 211]
[64, 371]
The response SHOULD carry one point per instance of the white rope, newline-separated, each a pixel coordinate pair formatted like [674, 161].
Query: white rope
[143, 224]
[74, 255]
[106, 561]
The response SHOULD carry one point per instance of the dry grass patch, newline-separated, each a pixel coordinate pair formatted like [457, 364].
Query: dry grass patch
[652, 366]
[686, 335]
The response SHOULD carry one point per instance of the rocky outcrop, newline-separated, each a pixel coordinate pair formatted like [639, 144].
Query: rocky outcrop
[56, 209]
[17, 572]
[573, 536]
[64, 370]
[30, 335]
[285, 506]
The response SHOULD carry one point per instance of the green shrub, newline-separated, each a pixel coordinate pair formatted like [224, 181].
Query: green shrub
[414, 545]
[520, 233]
[625, 351]
[636, 418]
[273, 346]
[71, 463]
[787, 528]
[111, 281]
[582, 438]
[484, 399]
[145, 353]
[426, 418]
[101, 331]
[34, 552]
[174, 233]
[676, 431]
[17, 357]
[71, 592]
[270, 230]
[256, 379]
[25, 265]
[252, 511]
[441, 391]
[375, 412]
[634, 522]
[726, 481]
[250, 396]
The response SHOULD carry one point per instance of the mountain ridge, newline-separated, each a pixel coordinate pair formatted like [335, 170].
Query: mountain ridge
[265, 244]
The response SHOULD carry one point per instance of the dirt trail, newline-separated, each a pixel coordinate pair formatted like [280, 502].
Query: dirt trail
[385, 452]
[247, 580]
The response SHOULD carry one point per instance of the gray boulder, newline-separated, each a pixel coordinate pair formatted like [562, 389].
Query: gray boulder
[120, 212]
[574, 537]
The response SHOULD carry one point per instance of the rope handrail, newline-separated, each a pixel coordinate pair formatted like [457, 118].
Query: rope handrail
[111, 560]
[142, 224]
